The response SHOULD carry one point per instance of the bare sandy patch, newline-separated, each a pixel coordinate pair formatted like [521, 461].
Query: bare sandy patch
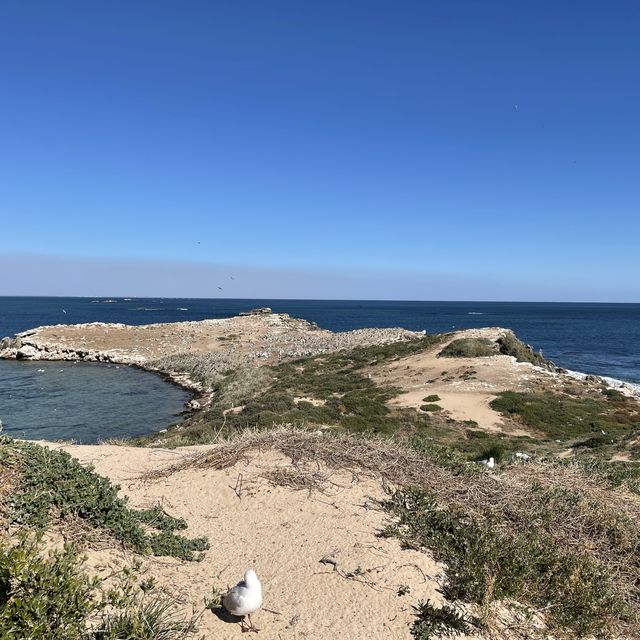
[314, 401]
[465, 386]
[251, 520]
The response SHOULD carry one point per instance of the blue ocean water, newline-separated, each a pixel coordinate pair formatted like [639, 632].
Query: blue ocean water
[602, 339]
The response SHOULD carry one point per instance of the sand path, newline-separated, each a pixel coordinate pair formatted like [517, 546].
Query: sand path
[283, 534]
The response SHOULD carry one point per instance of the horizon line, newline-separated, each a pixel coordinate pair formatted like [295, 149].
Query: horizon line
[128, 298]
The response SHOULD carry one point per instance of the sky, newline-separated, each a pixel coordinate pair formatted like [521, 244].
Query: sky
[475, 150]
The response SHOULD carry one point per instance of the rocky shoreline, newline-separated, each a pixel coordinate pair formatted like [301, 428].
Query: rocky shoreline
[251, 339]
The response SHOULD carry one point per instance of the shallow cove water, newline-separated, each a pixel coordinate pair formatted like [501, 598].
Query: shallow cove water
[85, 402]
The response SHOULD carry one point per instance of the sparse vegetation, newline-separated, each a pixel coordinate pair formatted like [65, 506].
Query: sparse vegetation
[152, 617]
[487, 563]
[566, 417]
[259, 398]
[521, 535]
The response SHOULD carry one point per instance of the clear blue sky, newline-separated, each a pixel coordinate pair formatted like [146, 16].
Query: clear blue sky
[489, 148]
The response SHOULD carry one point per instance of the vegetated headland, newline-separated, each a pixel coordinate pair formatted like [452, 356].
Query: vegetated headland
[382, 482]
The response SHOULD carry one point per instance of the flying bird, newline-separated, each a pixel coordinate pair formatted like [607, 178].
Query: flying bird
[64, 311]
[245, 598]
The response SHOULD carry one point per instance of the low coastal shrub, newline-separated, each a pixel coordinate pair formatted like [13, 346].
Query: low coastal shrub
[509, 345]
[48, 596]
[53, 485]
[469, 348]
[481, 445]
[487, 562]
[430, 407]
[342, 395]
[432, 622]
[44, 596]
[432, 398]
[566, 417]
[611, 473]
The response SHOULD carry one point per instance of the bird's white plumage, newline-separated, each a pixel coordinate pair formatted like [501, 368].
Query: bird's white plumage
[490, 463]
[245, 597]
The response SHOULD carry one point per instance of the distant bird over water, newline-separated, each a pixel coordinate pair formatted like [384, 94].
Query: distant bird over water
[245, 598]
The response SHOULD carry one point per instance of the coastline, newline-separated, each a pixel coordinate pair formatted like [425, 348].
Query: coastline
[196, 355]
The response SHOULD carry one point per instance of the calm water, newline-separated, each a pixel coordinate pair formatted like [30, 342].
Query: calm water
[594, 338]
[84, 401]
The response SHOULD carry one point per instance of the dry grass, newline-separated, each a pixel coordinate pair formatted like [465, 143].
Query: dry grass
[299, 478]
[573, 509]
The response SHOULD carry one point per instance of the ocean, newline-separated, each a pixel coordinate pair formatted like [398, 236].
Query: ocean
[601, 339]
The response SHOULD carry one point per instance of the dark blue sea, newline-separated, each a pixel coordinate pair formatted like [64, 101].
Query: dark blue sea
[602, 339]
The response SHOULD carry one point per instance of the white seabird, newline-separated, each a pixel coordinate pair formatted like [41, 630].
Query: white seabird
[490, 463]
[245, 598]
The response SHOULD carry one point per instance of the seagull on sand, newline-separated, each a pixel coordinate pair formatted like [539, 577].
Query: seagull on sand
[245, 598]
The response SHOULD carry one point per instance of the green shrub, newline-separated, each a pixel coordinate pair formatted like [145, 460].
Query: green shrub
[614, 395]
[53, 484]
[469, 348]
[430, 407]
[432, 398]
[44, 597]
[560, 416]
[509, 345]
[488, 562]
[431, 622]
[49, 597]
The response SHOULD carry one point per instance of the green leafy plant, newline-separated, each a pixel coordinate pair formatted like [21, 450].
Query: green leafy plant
[54, 485]
[44, 596]
[432, 622]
